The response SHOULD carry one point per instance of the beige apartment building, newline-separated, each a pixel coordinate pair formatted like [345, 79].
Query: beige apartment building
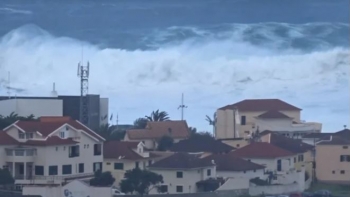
[253, 115]
[333, 159]
[52, 150]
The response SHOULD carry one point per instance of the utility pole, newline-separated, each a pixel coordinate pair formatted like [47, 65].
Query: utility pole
[83, 73]
[182, 106]
[234, 122]
[117, 121]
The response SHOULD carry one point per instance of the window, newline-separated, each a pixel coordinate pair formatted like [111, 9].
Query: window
[244, 171]
[53, 170]
[179, 175]
[333, 172]
[74, 151]
[254, 170]
[208, 172]
[108, 163]
[39, 170]
[243, 119]
[300, 158]
[29, 135]
[97, 149]
[81, 168]
[20, 135]
[150, 162]
[279, 165]
[342, 171]
[118, 166]
[56, 148]
[62, 134]
[163, 189]
[137, 164]
[66, 169]
[97, 166]
[344, 158]
[295, 159]
[179, 189]
[345, 147]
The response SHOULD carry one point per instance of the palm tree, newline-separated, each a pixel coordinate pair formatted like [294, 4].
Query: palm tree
[212, 121]
[157, 116]
[140, 123]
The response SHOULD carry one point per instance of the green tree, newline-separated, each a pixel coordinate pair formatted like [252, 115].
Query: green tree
[202, 135]
[165, 142]
[110, 132]
[140, 181]
[192, 130]
[6, 121]
[140, 123]
[102, 179]
[6, 178]
[212, 121]
[158, 116]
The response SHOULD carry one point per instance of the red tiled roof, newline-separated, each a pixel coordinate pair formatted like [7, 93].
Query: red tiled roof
[261, 105]
[121, 149]
[261, 150]
[273, 114]
[5, 139]
[47, 126]
[204, 145]
[182, 161]
[155, 130]
[334, 140]
[289, 144]
[229, 162]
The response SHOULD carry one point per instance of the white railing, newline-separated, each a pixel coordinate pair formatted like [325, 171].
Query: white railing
[20, 152]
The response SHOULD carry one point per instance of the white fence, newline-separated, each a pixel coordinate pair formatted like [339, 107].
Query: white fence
[274, 189]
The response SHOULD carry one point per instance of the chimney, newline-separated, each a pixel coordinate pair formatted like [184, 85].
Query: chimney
[53, 92]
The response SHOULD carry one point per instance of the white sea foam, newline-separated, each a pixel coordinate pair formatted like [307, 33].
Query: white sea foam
[14, 11]
[211, 74]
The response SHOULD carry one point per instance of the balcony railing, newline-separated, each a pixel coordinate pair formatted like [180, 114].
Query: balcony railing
[54, 177]
[20, 152]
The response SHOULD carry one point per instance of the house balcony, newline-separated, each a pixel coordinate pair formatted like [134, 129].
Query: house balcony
[20, 154]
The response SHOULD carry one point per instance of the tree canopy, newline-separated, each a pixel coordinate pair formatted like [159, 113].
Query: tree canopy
[140, 123]
[158, 116]
[6, 177]
[165, 142]
[6, 121]
[140, 181]
[102, 179]
[111, 132]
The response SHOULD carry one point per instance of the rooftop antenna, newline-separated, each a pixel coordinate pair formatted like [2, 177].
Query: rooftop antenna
[182, 106]
[54, 92]
[9, 84]
[83, 73]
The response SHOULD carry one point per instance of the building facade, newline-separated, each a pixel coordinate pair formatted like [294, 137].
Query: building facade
[50, 151]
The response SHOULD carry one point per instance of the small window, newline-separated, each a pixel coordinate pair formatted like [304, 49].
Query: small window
[243, 120]
[342, 171]
[238, 145]
[254, 170]
[81, 168]
[53, 170]
[29, 135]
[137, 164]
[208, 172]
[163, 189]
[179, 189]
[345, 147]
[333, 172]
[97, 166]
[21, 135]
[39, 170]
[56, 148]
[97, 149]
[62, 134]
[149, 162]
[179, 175]
[108, 163]
[66, 169]
[295, 159]
[300, 158]
[244, 172]
[118, 166]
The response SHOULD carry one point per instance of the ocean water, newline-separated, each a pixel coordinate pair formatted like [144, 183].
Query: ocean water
[144, 53]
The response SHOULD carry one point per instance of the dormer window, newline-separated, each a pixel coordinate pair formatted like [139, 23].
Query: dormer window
[21, 135]
[29, 135]
[62, 134]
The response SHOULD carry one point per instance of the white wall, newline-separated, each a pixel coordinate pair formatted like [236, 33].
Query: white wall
[37, 107]
[189, 180]
[240, 174]
[234, 184]
[271, 164]
[273, 189]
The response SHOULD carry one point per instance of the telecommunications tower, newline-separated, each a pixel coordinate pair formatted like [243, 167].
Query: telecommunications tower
[83, 73]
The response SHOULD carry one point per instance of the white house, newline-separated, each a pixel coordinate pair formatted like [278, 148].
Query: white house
[230, 166]
[181, 172]
[178, 130]
[50, 151]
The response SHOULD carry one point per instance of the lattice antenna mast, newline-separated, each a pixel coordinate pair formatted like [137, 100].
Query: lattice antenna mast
[83, 73]
[182, 106]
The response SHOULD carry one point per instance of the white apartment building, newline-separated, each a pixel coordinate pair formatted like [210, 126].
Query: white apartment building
[50, 151]
[253, 115]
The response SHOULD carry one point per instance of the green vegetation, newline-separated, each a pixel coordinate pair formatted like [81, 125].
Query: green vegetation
[336, 189]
